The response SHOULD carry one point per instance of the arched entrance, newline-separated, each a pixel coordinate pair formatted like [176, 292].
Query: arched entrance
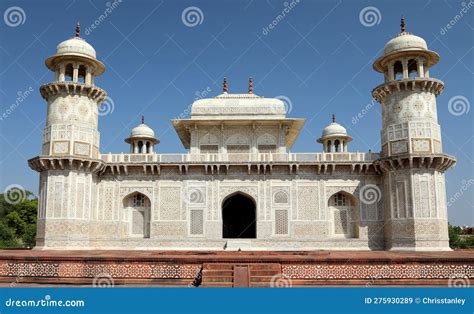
[344, 217]
[138, 206]
[239, 217]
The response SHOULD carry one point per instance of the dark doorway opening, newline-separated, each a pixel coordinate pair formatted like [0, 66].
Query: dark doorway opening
[239, 219]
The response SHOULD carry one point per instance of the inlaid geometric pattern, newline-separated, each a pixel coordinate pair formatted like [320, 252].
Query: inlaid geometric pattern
[90, 270]
[380, 271]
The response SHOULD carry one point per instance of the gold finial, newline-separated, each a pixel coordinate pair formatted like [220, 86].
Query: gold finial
[250, 85]
[143, 119]
[402, 25]
[333, 117]
[78, 29]
[225, 86]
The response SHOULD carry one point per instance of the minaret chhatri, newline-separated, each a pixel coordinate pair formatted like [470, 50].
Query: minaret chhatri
[69, 159]
[73, 100]
[412, 159]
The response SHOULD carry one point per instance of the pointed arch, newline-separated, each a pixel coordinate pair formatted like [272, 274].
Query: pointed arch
[239, 216]
[137, 208]
[343, 213]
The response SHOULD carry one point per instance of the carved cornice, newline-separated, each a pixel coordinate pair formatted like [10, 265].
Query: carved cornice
[259, 168]
[56, 88]
[44, 163]
[439, 162]
[424, 84]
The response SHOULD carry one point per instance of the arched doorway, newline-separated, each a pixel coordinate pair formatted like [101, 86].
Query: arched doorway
[138, 206]
[344, 217]
[239, 219]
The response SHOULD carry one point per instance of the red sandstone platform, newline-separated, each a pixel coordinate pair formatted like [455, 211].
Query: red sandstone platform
[236, 269]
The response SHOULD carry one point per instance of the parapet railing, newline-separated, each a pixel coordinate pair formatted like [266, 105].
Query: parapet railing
[239, 157]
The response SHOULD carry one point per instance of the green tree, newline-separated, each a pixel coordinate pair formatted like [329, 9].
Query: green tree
[18, 219]
[458, 242]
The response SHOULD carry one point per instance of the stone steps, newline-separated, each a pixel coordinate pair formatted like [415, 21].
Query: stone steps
[249, 275]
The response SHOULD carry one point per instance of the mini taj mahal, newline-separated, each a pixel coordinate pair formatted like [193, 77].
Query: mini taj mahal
[239, 187]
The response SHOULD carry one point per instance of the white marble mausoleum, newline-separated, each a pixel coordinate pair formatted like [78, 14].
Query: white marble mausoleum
[239, 186]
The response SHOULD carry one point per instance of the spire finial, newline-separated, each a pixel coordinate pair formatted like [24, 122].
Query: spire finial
[402, 25]
[250, 85]
[333, 117]
[225, 86]
[78, 29]
[143, 119]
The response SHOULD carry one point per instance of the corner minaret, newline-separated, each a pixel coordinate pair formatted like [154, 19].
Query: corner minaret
[69, 161]
[412, 160]
[73, 100]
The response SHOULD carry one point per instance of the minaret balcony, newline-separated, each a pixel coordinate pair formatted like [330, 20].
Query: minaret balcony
[424, 84]
[73, 88]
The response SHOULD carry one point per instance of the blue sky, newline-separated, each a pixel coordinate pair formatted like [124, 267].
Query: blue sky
[319, 56]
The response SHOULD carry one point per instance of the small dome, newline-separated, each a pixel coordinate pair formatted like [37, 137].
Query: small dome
[76, 45]
[78, 49]
[142, 130]
[405, 41]
[334, 129]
